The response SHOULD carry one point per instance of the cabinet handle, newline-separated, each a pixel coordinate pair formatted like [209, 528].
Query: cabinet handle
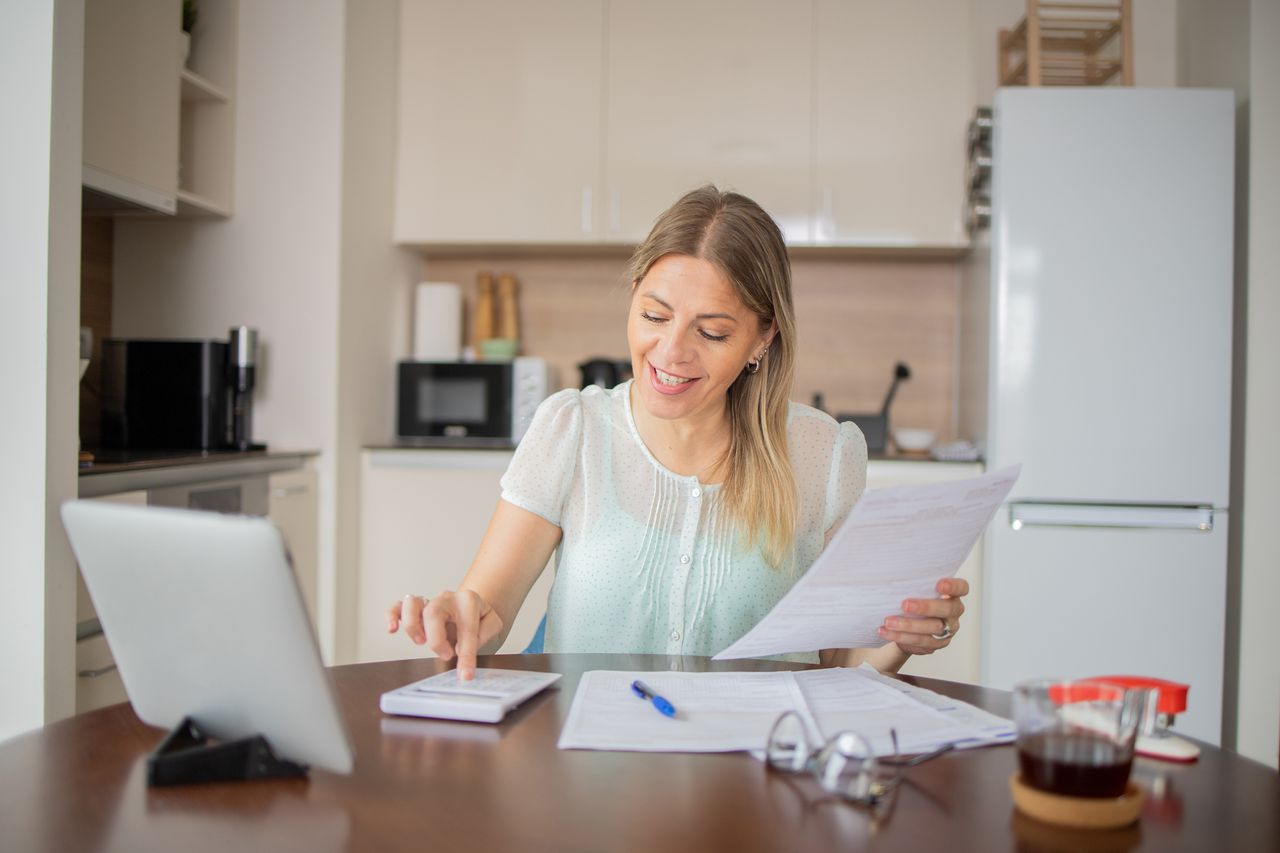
[97, 673]
[1033, 514]
[586, 210]
[615, 211]
[289, 490]
[828, 213]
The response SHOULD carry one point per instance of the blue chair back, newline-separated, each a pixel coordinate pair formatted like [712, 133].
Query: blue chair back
[535, 644]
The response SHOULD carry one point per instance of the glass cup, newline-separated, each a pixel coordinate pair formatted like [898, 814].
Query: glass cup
[1075, 738]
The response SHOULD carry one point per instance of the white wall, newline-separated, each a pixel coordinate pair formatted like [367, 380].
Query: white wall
[1258, 731]
[1230, 44]
[376, 284]
[274, 264]
[306, 257]
[41, 44]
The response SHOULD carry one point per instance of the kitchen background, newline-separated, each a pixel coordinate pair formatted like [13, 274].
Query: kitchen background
[306, 258]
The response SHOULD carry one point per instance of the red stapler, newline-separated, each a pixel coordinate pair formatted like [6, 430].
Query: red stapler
[1155, 740]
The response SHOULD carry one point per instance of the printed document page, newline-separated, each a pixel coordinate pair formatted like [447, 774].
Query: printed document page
[715, 711]
[897, 543]
[732, 711]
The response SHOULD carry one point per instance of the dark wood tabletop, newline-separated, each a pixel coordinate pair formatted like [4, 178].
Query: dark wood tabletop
[432, 785]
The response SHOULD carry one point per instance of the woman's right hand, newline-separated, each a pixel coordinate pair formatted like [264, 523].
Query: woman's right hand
[451, 623]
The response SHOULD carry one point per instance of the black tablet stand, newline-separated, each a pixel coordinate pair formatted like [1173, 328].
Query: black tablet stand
[187, 757]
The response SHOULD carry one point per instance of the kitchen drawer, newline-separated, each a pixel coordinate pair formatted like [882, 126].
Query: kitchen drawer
[98, 682]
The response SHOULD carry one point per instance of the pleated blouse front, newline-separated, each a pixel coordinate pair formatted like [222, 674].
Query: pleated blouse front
[650, 562]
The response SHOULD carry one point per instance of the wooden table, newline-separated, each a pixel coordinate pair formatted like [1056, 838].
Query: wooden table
[431, 785]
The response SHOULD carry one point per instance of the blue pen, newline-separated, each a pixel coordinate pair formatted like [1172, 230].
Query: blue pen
[663, 706]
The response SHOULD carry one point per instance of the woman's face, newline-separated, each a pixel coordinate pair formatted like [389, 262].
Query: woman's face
[690, 338]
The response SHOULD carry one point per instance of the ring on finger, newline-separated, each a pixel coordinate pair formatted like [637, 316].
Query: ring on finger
[946, 632]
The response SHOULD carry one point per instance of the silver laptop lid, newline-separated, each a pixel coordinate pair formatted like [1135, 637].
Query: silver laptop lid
[204, 619]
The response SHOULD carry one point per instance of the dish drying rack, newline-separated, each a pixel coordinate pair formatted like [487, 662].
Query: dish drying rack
[1069, 44]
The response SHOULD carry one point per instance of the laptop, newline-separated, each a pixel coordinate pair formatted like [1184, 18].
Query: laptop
[205, 621]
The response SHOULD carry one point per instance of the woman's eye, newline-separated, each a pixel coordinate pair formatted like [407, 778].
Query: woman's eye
[651, 318]
[719, 339]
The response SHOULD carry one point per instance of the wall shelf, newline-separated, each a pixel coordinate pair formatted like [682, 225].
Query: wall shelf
[197, 89]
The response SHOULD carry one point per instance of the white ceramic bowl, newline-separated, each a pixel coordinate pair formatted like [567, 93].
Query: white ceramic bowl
[913, 440]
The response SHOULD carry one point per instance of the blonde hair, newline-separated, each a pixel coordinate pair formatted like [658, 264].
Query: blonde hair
[734, 234]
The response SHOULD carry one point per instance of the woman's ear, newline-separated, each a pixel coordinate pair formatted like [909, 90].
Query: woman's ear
[769, 334]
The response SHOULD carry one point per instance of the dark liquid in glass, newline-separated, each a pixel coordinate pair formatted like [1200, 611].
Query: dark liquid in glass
[1074, 765]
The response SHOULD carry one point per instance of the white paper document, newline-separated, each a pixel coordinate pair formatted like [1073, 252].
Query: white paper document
[733, 711]
[897, 543]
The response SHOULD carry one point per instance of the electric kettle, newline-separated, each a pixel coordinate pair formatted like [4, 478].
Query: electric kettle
[604, 372]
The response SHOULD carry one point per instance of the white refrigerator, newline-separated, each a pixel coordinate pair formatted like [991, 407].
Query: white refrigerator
[1096, 351]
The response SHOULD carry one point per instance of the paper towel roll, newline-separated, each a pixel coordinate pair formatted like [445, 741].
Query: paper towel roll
[437, 325]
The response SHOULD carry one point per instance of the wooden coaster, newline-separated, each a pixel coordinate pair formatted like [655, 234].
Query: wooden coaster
[1081, 812]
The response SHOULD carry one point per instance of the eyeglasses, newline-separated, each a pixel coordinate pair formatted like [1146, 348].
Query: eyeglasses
[846, 765]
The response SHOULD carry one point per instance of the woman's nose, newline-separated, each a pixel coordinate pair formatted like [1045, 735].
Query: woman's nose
[676, 346]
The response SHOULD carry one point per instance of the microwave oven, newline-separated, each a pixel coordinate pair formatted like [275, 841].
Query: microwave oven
[475, 404]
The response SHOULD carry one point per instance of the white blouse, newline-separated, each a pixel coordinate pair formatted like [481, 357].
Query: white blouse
[649, 563]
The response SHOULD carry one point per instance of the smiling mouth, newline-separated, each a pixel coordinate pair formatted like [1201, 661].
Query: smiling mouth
[668, 379]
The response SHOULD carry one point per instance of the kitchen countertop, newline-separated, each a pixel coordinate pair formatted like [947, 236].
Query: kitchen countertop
[126, 471]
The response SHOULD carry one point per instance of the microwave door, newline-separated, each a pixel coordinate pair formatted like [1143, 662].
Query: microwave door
[454, 400]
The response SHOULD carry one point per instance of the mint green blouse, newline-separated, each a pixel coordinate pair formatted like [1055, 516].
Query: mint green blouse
[649, 563]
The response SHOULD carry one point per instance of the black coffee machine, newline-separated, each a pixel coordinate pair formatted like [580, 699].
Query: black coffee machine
[179, 395]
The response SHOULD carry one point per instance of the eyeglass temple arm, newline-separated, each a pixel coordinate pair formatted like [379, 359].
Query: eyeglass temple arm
[919, 759]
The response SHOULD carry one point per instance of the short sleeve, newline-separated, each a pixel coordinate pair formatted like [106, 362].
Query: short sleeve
[848, 477]
[539, 475]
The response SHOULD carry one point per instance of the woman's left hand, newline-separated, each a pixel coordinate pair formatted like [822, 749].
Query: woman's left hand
[925, 620]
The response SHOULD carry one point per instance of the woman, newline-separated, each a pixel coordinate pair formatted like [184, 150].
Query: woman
[687, 501]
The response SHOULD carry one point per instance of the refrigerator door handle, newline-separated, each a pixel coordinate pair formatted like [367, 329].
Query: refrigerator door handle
[1164, 517]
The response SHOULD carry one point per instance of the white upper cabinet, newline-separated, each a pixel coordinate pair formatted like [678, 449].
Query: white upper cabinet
[893, 97]
[715, 91]
[132, 60]
[158, 135]
[579, 121]
[499, 125]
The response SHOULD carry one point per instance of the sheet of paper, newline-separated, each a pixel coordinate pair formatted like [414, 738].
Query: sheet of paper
[715, 711]
[989, 728]
[897, 543]
[726, 711]
[848, 700]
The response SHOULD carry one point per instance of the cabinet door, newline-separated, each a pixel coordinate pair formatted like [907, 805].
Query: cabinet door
[294, 507]
[499, 121]
[422, 516]
[893, 96]
[132, 62]
[961, 660]
[715, 91]
[98, 681]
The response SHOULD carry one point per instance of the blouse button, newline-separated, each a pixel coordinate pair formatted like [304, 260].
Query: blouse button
[675, 636]
[697, 493]
[684, 558]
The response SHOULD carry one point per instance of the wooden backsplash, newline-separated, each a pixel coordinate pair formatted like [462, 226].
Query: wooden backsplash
[856, 319]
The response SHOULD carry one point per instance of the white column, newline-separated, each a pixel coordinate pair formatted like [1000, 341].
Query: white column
[1258, 731]
[41, 47]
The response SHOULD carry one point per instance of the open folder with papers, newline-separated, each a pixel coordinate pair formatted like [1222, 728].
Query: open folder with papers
[897, 543]
[731, 711]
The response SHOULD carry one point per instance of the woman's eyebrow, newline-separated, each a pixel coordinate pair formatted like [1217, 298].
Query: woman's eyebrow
[649, 294]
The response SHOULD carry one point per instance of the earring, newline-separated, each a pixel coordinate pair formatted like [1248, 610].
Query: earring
[753, 366]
